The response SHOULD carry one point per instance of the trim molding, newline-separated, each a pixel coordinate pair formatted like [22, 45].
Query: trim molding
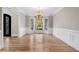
[14, 34]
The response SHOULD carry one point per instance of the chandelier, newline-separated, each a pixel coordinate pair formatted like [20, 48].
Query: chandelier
[39, 13]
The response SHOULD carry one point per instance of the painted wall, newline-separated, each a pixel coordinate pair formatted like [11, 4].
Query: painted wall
[28, 25]
[21, 24]
[66, 26]
[67, 18]
[14, 24]
[0, 18]
[1, 40]
[50, 22]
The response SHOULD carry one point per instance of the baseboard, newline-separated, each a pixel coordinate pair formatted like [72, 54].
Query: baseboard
[14, 34]
[71, 37]
[1, 47]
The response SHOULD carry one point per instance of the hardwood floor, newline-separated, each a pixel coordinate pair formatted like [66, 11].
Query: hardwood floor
[36, 43]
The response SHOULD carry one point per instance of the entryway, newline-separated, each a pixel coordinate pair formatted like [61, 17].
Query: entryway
[7, 25]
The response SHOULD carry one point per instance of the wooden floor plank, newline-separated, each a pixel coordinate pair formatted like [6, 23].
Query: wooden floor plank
[36, 43]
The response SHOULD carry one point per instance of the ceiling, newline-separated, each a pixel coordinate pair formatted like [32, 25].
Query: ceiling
[30, 11]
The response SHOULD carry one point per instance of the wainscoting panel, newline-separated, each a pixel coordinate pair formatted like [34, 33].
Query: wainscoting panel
[0, 40]
[71, 37]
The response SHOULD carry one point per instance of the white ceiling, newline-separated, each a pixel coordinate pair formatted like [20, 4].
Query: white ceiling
[30, 11]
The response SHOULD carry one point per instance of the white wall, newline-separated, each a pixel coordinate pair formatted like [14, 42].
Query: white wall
[1, 31]
[21, 24]
[28, 24]
[14, 25]
[50, 22]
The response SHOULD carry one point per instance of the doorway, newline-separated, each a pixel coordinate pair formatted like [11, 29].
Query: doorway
[7, 25]
[38, 24]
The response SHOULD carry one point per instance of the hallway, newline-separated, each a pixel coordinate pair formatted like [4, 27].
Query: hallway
[28, 29]
[36, 43]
